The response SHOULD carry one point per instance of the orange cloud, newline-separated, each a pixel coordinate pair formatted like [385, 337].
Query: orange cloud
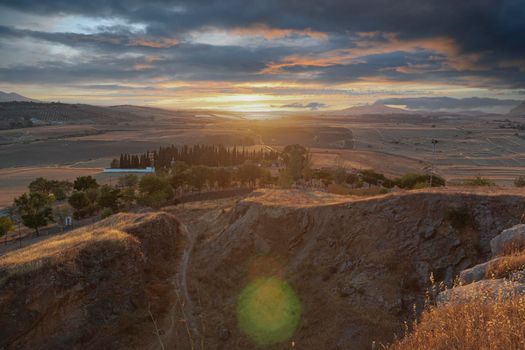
[368, 43]
[158, 43]
[276, 33]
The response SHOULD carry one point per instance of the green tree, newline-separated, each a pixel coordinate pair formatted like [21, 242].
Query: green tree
[60, 189]
[223, 177]
[82, 183]
[108, 197]
[34, 209]
[83, 204]
[198, 175]
[296, 159]
[249, 173]
[128, 181]
[6, 225]
[154, 191]
[41, 184]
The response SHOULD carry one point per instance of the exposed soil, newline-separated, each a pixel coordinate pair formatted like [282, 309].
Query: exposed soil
[146, 281]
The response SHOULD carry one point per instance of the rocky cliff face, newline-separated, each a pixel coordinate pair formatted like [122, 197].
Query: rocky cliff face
[358, 267]
[348, 271]
[90, 288]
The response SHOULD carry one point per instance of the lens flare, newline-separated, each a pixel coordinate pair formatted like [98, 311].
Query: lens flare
[268, 310]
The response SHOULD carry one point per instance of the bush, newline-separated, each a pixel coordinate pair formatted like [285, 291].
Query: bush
[83, 183]
[338, 189]
[6, 225]
[474, 325]
[519, 181]
[106, 213]
[411, 180]
[83, 204]
[479, 181]
[155, 191]
[372, 178]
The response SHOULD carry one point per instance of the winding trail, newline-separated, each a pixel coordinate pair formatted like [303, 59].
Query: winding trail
[187, 305]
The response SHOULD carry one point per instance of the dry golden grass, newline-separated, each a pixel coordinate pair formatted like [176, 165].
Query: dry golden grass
[478, 325]
[54, 248]
[501, 267]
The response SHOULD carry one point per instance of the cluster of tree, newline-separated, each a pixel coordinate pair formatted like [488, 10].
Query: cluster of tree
[33, 209]
[297, 160]
[207, 155]
[372, 178]
[59, 189]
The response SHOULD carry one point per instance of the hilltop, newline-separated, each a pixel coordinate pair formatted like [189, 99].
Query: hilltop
[518, 110]
[13, 96]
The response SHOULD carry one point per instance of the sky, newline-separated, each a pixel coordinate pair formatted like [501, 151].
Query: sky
[264, 56]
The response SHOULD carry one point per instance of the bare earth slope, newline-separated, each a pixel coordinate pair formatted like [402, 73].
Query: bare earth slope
[144, 281]
[92, 288]
[358, 267]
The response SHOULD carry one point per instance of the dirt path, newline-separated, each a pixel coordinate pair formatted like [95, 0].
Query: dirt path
[189, 309]
[183, 309]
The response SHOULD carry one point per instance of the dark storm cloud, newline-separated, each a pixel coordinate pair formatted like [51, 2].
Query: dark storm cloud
[477, 25]
[437, 103]
[313, 106]
[486, 34]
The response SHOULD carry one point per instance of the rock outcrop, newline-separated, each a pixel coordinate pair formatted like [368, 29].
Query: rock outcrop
[478, 282]
[355, 267]
[510, 239]
[488, 290]
[358, 266]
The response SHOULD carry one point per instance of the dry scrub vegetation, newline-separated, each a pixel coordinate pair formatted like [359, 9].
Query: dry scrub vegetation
[504, 265]
[102, 233]
[479, 325]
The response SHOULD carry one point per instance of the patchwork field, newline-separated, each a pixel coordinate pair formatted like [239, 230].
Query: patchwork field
[467, 146]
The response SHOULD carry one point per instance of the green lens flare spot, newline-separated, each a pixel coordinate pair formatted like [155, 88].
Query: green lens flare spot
[268, 310]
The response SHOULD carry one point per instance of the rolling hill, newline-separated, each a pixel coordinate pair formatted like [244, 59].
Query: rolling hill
[12, 96]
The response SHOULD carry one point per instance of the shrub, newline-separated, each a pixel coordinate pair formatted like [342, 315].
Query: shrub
[155, 191]
[34, 209]
[83, 204]
[6, 225]
[106, 213]
[474, 325]
[83, 183]
[519, 181]
[479, 181]
[338, 189]
[411, 180]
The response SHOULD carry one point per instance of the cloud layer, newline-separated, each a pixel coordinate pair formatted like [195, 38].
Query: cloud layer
[186, 49]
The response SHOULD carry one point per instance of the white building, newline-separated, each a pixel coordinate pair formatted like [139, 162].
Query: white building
[146, 170]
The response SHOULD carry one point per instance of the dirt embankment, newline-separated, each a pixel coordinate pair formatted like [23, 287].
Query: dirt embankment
[357, 267]
[99, 287]
[352, 270]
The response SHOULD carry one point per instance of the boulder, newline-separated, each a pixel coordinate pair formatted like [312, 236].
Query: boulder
[513, 237]
[476, 273]
[484, 290]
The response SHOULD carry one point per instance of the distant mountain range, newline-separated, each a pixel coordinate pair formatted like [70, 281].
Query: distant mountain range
[518, 110]
[371, 109]
[12, 97]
